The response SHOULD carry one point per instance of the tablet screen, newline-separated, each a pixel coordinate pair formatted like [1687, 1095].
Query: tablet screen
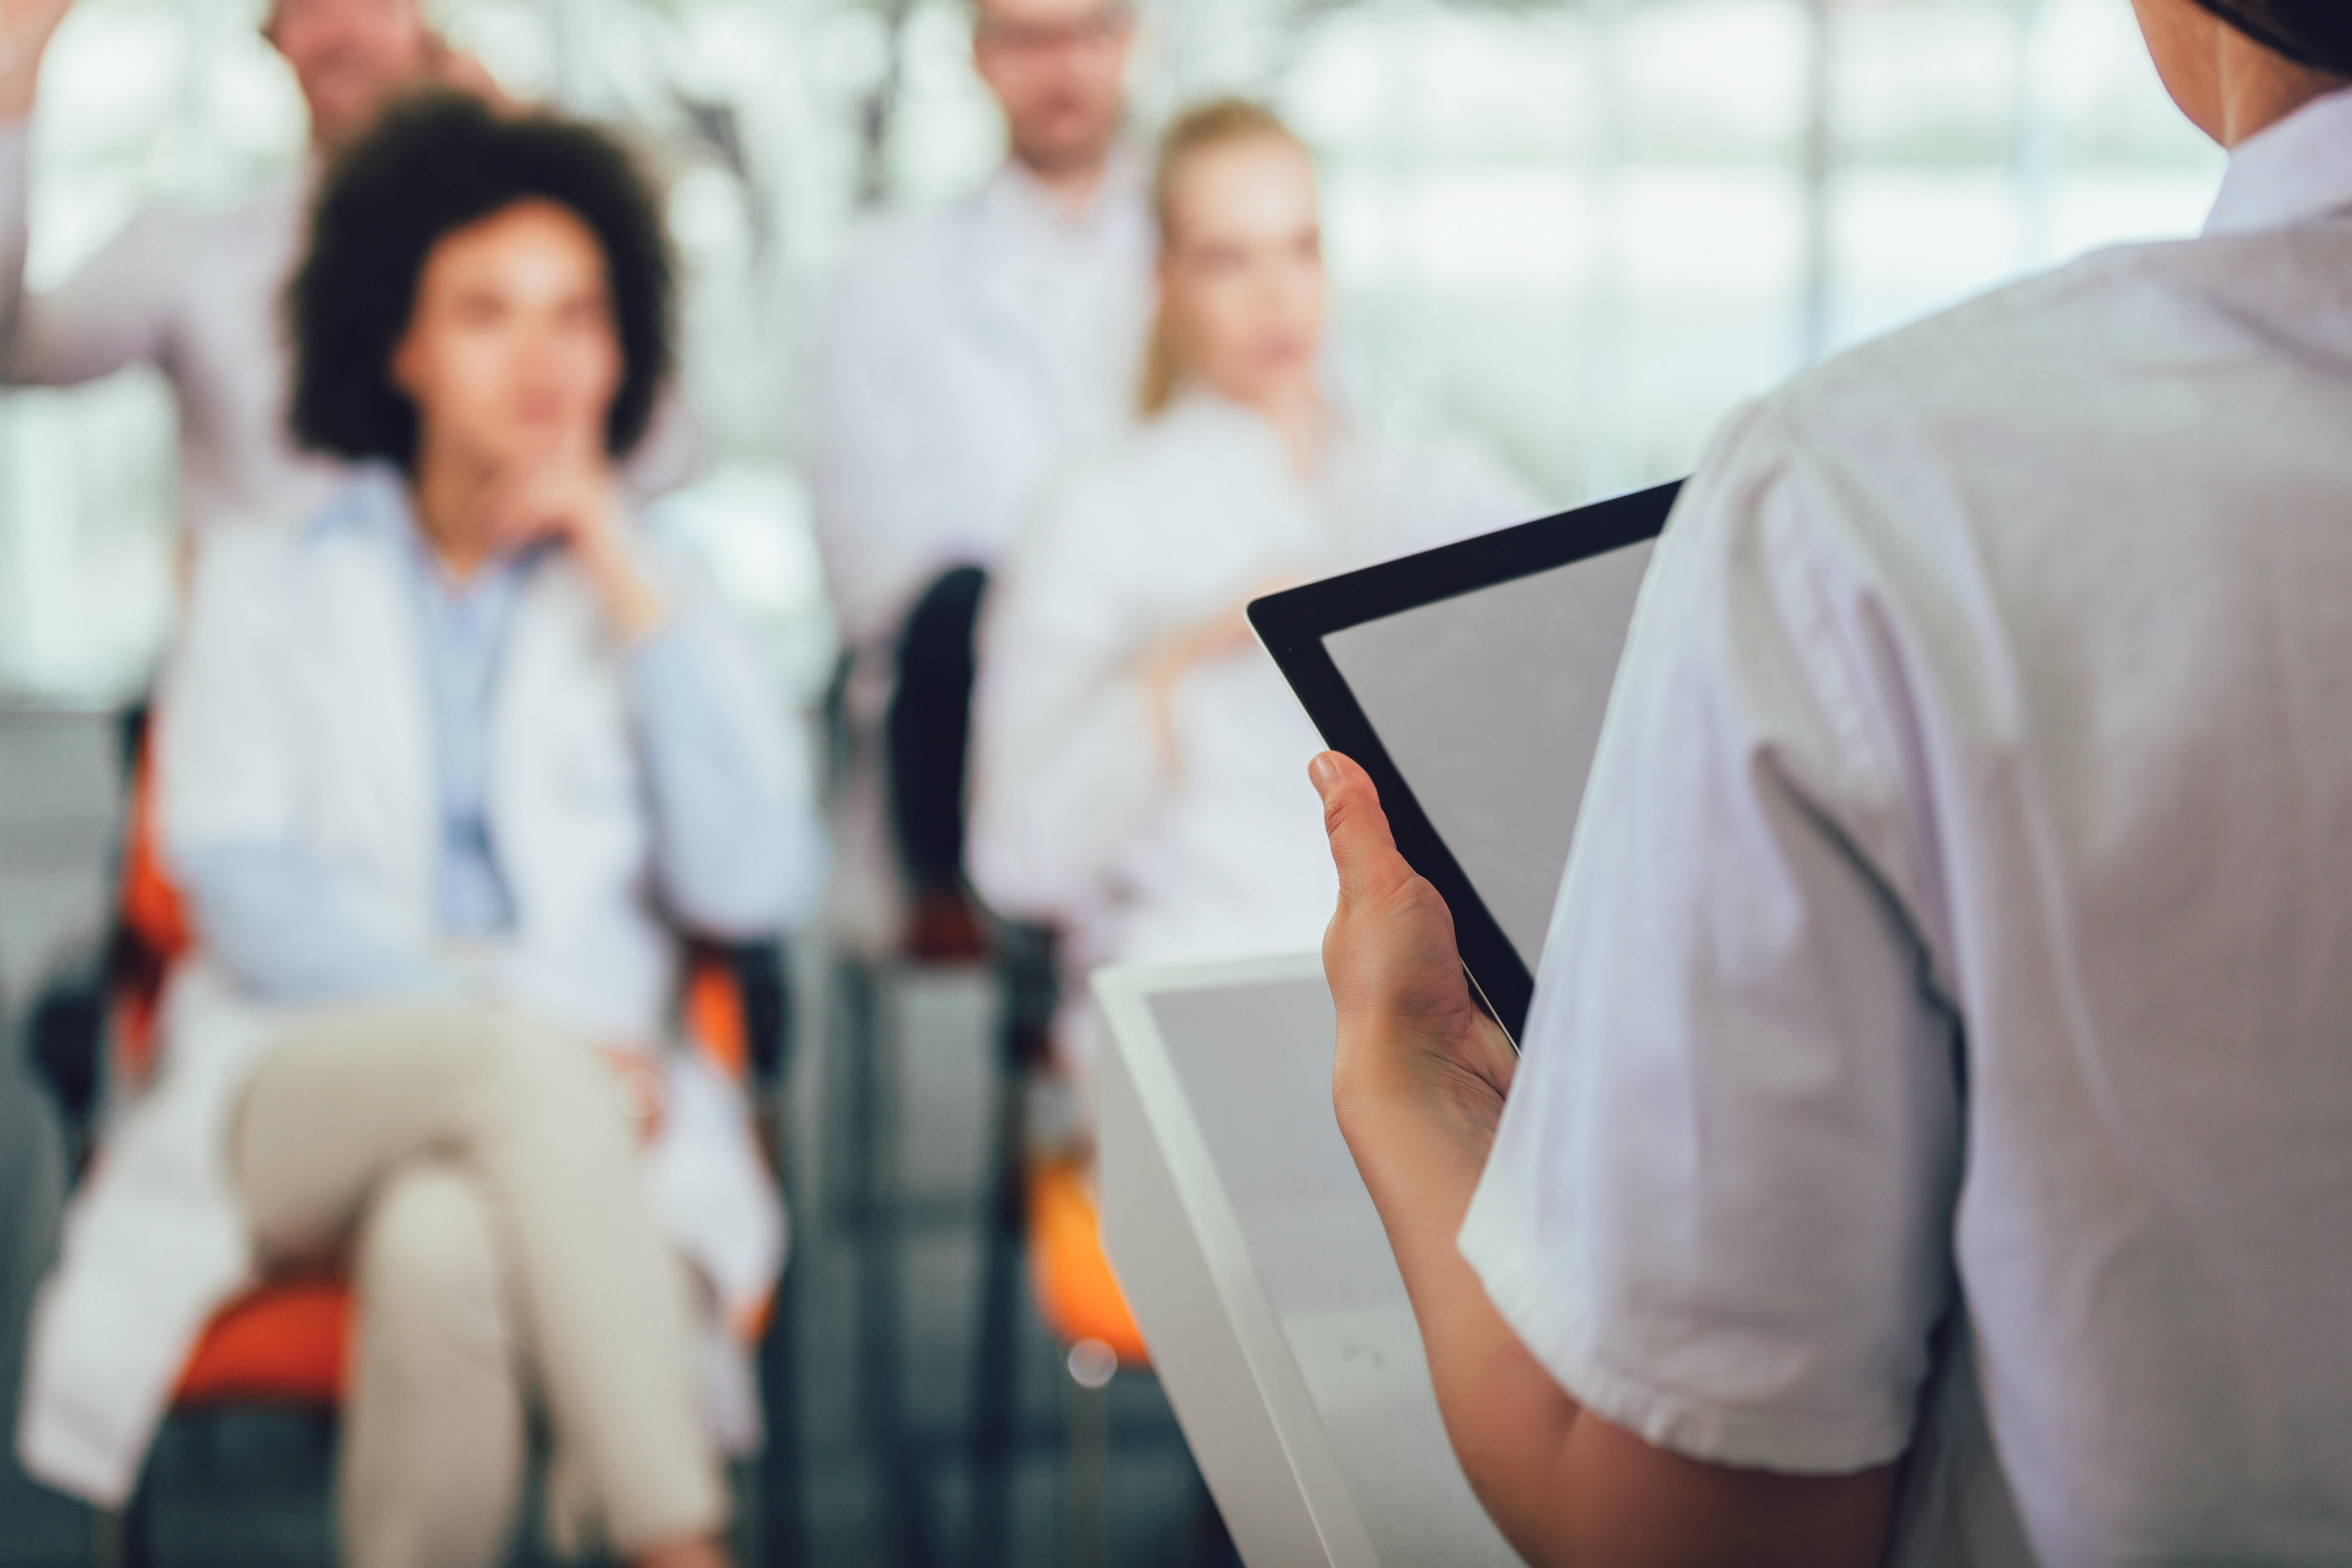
[1470, 681]
[1489, 703]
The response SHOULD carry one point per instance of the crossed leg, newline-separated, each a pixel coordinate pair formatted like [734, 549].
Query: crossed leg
[477, 1163]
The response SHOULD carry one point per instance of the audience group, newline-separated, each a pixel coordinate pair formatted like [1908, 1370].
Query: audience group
[1932, 1112]
[453, 757]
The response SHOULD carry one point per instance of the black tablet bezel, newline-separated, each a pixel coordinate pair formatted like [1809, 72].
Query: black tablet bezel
[1292, 626]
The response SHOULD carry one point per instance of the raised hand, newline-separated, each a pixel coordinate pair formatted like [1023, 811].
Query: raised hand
[25, 29]
[461, 72]
[572, 498]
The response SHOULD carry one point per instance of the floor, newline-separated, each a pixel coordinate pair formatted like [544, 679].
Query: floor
[878, 1366]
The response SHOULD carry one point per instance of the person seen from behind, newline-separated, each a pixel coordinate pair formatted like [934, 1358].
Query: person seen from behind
[1933, 1143]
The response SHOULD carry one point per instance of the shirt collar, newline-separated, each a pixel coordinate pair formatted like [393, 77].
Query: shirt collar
[1201, 407]
[374, 504]
[2296, 170]
[374, 501]
[1013, 189]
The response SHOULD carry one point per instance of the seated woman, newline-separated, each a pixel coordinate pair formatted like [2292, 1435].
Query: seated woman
[442, 772]
[1138, 757]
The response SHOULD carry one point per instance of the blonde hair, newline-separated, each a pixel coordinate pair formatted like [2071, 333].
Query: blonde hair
[1204, 128]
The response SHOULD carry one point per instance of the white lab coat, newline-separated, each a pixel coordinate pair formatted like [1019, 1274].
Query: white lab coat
[1077, 819]
[199, 293]
[967, 355]
[296, 710]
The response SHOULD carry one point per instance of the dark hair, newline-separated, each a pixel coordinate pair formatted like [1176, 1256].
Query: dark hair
[435, 163]
[2314, 33]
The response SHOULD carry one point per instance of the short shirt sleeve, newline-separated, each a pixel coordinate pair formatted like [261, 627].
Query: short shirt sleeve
[1719, 1205]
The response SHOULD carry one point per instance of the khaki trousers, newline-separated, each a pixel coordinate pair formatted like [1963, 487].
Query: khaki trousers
[473, 1167]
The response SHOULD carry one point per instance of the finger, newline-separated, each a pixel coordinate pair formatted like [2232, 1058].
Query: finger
[1498, 1060]
[524, 514]
[1363, 848]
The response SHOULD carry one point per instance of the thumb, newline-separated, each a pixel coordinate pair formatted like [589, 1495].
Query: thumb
[1363, 848]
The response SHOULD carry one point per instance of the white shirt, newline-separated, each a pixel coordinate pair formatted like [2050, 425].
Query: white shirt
[1957, 937]
[1077, 816]
[969, 356]
[199, 293]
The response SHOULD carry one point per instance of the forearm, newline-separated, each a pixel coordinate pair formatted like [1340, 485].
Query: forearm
[1421, 1149]
[1566, 1487]
[20, 62]
[1060, 788]
[739, 855]
[1418, 1082]
[269, 916]
[114, 311]
[15, 199]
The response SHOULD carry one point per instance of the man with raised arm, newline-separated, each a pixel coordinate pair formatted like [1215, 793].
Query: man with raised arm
[196, 292]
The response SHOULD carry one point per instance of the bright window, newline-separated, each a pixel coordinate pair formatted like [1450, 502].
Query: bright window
[1581, 231]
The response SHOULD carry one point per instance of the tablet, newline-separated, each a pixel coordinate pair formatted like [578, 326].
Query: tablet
[1470, 682]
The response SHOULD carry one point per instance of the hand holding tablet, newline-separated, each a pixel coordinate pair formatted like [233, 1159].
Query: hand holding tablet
[1470, 682]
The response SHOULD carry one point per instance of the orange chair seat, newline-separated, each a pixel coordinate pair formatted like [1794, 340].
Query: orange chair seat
[1076, 1291]
[281, 1343]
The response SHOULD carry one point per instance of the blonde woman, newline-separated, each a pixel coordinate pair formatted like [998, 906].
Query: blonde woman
[1139, 757]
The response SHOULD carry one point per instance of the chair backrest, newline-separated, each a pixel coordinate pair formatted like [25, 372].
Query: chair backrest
[1074, 1289]
[150, 927]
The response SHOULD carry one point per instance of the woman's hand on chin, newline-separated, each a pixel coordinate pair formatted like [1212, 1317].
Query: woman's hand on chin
[573, 498]
[1412, 1045]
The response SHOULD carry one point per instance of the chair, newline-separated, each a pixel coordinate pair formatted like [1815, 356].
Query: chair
[1083, 1305]
[873, 959]
[1043, 1212]
[283, 1342]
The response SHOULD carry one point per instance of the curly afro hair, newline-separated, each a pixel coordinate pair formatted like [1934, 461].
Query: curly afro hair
[435, 163]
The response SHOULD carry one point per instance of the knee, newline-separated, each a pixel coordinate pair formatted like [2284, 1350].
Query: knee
[427, 1251]
[537, 1070]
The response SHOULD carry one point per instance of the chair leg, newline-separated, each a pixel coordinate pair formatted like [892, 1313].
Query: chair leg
[1025, 971]
[1087, 1423]
[126, 1539]
[783, 1531]
[105, 1538]
[873, 1044]
[996, 1345]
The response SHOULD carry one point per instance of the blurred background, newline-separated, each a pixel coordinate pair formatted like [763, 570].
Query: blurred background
[1583, 231]
[1579, 231]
